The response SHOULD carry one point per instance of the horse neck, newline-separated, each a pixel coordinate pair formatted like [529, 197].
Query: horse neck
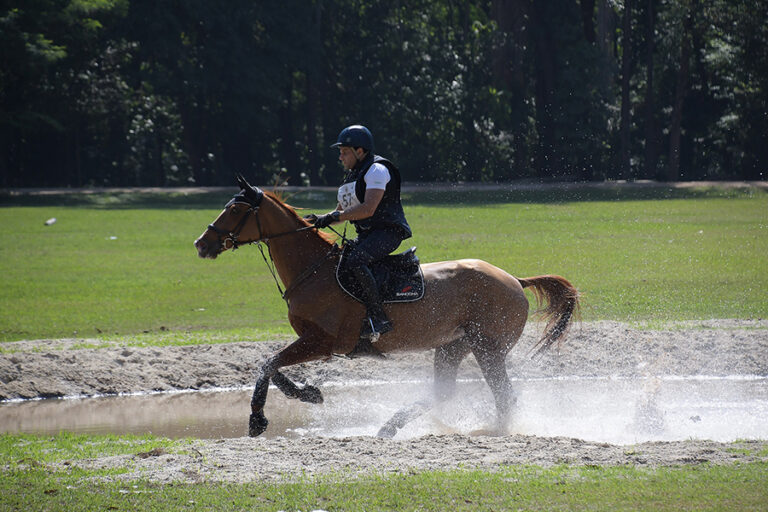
[294, 253]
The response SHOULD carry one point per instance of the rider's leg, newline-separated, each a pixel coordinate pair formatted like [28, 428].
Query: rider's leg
[367, 249]
[376, 321]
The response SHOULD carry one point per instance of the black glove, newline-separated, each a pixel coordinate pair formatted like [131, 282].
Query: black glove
[323, 221]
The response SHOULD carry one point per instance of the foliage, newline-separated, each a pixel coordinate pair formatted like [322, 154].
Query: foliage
[158, 93]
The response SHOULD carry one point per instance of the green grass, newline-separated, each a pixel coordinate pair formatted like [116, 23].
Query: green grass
[17, 450]
[40, 473]
[641, 255]
[123, 265]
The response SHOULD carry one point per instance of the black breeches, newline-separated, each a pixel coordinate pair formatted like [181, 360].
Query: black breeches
[368, 248]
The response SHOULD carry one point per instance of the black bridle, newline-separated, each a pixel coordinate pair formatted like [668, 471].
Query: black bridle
[252, 198]
[233, 236]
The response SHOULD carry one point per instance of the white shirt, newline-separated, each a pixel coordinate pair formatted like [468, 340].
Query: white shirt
[377, 177]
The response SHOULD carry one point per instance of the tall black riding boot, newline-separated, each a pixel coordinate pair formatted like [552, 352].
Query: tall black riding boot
[376, 321]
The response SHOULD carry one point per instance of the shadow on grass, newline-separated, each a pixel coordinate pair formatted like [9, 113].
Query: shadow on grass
[437, 195]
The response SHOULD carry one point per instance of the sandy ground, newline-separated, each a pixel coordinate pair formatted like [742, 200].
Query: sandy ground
[56, 368]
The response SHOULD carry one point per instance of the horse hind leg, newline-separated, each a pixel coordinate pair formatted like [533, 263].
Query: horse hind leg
[447, 360]
[404, 416]
[493, 366]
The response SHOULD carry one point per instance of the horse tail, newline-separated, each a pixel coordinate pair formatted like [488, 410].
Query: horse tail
[562, 301]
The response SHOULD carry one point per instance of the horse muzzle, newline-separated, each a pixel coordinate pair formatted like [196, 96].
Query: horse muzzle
[206, 249]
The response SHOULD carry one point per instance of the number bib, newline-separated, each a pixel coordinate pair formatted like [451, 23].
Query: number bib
[347, 196]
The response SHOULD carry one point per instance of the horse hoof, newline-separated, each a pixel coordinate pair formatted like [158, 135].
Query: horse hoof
[257, 424]
[311, 395]
[387, 432]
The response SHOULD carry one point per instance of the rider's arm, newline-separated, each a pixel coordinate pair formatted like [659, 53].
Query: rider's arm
[366, 208]
[376, 180]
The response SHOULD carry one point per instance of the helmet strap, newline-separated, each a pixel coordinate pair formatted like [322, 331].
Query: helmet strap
[359, 160]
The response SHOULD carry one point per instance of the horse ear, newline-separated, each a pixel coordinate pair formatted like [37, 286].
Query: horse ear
[241, 181]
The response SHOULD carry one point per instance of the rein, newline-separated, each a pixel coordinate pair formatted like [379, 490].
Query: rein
[232, 236]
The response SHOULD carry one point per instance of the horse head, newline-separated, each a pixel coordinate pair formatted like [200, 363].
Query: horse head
[251, 216]
[236, 225]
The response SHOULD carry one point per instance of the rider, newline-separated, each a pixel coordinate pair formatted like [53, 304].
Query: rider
[369, 198]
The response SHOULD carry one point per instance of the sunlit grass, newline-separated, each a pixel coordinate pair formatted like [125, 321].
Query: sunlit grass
[121, 268]
[51, 473]
[33, 451]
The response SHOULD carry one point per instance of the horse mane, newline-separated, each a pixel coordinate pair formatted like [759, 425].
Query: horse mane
[276, 196]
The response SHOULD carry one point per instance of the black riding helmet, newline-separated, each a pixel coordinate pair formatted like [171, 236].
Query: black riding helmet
[355, 136]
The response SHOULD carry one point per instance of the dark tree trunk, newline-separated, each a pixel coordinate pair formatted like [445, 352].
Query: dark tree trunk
[546, 160]
[473, 163]
[588, 19]
[311, 113]
[606, 28]
[651, 138]
[4, 157]
[625, 168]
[314, 96]
[681, 90]
[510, 73]
[190, 128]
[288, 150]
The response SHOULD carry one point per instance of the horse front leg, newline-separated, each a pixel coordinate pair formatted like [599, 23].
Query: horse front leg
[257, 422]
[307, 393]
[307, 348]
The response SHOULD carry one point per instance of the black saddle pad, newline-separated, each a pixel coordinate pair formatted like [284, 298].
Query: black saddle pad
[398, 277]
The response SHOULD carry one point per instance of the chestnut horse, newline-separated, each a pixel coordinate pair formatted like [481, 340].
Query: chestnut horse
[468, 306]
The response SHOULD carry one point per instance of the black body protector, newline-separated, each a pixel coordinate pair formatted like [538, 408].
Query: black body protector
[389, 213]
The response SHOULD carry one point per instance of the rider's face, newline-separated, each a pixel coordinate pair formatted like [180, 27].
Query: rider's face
[349, 156]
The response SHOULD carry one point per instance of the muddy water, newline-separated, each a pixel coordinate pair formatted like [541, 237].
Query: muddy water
[595, 409]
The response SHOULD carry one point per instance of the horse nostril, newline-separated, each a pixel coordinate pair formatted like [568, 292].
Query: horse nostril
[200, 245]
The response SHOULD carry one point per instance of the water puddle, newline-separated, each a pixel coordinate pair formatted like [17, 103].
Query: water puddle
[618, 411]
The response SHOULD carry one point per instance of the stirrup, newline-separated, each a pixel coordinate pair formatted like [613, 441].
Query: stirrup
[375, 328]
[365, 348]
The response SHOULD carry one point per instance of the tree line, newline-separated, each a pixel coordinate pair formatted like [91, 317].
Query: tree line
[179, 92]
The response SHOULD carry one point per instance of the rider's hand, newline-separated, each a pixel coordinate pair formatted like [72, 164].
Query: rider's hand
[323, 221]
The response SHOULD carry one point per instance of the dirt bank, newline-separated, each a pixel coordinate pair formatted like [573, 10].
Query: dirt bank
[48, 368]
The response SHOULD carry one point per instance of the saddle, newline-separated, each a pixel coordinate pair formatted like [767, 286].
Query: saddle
[398, 276]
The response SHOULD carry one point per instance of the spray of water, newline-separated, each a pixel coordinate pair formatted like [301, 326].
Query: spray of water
[605, 409]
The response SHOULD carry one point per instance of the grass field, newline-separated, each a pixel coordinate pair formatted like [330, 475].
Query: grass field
[124, 265]
[39, 474]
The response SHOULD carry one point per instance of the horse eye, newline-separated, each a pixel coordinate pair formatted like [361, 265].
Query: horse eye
[235, 210]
